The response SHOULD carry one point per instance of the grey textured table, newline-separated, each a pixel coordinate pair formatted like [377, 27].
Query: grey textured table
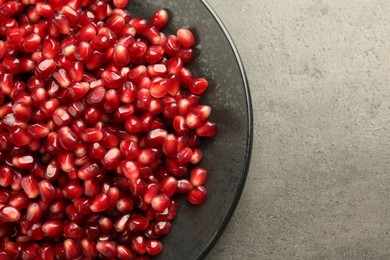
[319, 182]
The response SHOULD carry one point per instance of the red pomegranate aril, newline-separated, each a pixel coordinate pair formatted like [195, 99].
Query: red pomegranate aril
[72, 230]
[34, 212]
[137, 223]
[120, 223]
[138, 244]
[184, 156]
[152, 35]
[91, 188]
[139, 24]
[168, 186]
[112, 79]
[186, 38]
[153, 247]
[53, 228]
[107, 249]
[30, 186]
[179, 124]
[208, 129]
[67, 138]
[111, 158]
[125, 253]
[83, 51]
[154, 54]
[6, 175]
[9, 214]
[160, 203]
[161, 228]
[47, 190]
[197, 195]
[45, 68]
[19, 136]
[25, 162]
[100, 203]
[197, 156]
[86, 33]
[72, 190]
[61, 23]
[31, 43]
[91, 135]
[159, 19]
[44, 9]
[88, 248]
[71, 248]
[65, 161]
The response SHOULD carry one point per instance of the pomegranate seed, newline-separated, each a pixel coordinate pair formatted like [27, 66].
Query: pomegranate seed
[53, 228]
[168, 186]
[186, 38]
[159, 19]
[31, 43]
[100, 203]
[197, 156]
[88, 248]
[197, 195]
[19, 137]
[25, 162]
[44, 9]
[153, 247]
[30, 186]
[160, 203]
[107, 249]
[47, 190]
[111, 158]
[154, 54]
[208, 129]
[71, 248]
[120, 3]
[9, 214]
[138, 244]
[161, 228]
[198, 176]
[125, 253]
[72, 230]
[72, 190]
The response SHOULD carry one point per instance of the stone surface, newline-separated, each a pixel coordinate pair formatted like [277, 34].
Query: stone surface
[319, 182]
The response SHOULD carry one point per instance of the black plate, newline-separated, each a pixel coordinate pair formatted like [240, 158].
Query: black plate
[196, 228]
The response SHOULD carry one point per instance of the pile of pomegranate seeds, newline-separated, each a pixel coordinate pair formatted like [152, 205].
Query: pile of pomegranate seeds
[99, 123]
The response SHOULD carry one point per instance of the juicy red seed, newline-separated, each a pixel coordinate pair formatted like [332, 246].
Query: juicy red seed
[25, 162]
[100, 203]
[154, 54]
[138, 244]
[152, 35]
[30, 186]
[125, 253]
[168, 186]
[160, 203]
[19, 137]
[137, 223]
[159, 19]
[197, 195]
[88, 171]
[138, 49]
[153, 247]
[67, 138]
[46, 190]
[88, 248]
[9, 214]
[120, 3]
[71, 248]
[172, 45]
[53, 228]
[91, 135]
[186, 38]
[72, 190]
[198, 176]
[107, 249]
[161, 228]
[208, 129]
[31, 43]
[186, 54]
[111, 158]
[72, 230]
[184, 186]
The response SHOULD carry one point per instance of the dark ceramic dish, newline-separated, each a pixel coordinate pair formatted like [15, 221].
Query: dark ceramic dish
[197, 228]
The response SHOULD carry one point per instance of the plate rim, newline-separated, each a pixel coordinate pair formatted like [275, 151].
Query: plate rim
[248, 152]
